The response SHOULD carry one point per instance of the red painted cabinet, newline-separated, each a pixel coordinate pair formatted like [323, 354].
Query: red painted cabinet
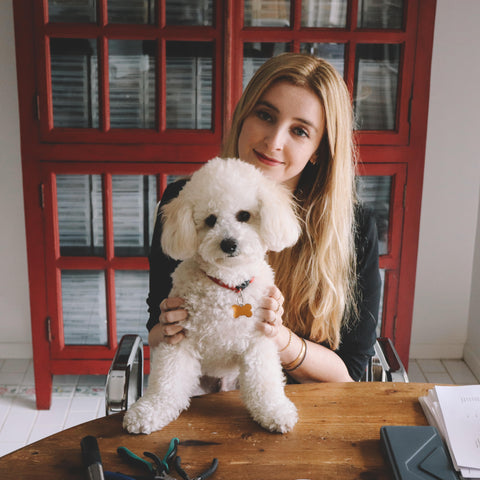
[118, 97]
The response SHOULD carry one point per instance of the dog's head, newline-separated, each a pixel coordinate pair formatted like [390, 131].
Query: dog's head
[229, 213]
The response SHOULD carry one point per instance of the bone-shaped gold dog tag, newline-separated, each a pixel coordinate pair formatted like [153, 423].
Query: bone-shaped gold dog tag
[239, 310]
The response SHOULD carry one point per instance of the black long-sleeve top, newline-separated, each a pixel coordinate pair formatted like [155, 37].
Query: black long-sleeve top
[357, 336]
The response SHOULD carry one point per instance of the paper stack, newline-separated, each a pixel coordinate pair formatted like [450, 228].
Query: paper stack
[455, 412]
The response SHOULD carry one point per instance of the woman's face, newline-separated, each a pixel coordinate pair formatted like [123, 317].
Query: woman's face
[283, 132]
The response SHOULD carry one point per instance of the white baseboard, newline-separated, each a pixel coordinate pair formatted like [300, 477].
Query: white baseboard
[435, 350]
[472, 359]
[15, 350]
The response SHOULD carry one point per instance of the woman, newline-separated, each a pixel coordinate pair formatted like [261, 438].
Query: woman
[294, 122]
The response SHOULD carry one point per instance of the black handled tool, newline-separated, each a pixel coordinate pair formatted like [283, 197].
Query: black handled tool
[91, 458]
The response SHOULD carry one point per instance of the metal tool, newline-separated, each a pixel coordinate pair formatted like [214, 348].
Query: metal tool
[91, 458]
[201, 476]
[125, 378]
[160, 468]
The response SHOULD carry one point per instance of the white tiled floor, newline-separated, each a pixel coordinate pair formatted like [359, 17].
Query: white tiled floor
[77, 399]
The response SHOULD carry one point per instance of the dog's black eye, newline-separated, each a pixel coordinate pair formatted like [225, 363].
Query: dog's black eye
[243, 216]
[211, 220]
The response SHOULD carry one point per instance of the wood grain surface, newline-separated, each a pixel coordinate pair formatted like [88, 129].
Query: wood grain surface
[337, 436]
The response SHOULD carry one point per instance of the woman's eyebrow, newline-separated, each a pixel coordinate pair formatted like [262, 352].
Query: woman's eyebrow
[275, 109]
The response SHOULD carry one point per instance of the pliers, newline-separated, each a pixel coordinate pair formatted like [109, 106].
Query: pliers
[159, 469]
[202, 476]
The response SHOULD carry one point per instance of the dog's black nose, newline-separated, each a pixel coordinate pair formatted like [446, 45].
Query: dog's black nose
[228, 245]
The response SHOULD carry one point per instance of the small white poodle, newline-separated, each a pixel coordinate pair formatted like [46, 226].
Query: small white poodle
[221, 225]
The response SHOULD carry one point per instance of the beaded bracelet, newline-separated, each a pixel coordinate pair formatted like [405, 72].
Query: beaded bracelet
[299, 360]
[288, 343]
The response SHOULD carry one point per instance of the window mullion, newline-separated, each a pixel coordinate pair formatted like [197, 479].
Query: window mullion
[296, 15]
[350, 65]
[352, 15]
[103, 78]
[111, 308]
[108, 217]
[102, 11]
[162, 84]
[104, 88]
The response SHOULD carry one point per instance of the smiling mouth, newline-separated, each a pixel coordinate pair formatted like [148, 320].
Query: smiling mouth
[267, 160]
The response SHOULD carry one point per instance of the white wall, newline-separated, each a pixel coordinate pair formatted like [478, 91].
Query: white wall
[450, 205]
[471, 352]
[15, 338]
[447, 296]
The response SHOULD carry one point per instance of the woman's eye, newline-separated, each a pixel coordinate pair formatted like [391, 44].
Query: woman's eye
[210, 221]
[301, 132]
[263, 115]
[243, 216]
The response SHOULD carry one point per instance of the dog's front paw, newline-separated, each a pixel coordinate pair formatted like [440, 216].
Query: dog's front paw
[143, 417]
[282, 419]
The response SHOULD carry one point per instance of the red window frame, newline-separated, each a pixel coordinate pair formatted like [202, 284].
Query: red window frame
[351, 36]
[109, 263]
[102, 32]
[47, 151]
[390, 261]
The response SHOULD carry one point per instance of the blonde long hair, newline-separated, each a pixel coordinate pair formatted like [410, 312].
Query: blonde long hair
[317, 275]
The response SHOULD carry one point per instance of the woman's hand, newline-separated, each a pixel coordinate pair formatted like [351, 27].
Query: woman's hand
[170, 328]
[270, 314]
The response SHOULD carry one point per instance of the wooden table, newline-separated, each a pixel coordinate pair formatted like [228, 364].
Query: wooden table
[337, 437]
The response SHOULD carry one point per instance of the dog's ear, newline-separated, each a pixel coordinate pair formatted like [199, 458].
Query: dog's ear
[179, 235]
[279, 225]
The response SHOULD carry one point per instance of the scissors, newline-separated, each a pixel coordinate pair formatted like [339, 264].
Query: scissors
[159, 469]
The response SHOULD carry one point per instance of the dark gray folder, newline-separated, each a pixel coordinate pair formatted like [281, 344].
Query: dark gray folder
[417, 453]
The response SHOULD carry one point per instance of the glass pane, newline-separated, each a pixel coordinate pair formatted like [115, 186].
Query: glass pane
[380, 13]
[132, 83]
[256, 54]
[74, 82]
[189, 85]
[376, 85]
[267, 13]
[189, 12]
[324, 13]
[82, 11]
[334, 53]
[84, 307]
[134, 199]
[131, 290]
[80, 215]
[375, 193]
[175, 178]
[131, 11]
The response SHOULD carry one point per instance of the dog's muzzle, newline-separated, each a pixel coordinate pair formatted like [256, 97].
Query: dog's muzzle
[229, 246]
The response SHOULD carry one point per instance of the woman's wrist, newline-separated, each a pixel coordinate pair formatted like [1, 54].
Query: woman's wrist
[290, 335]
[289, 346]
[294, 364]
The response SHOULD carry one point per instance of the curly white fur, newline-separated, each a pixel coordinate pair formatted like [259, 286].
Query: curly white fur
[210, 210]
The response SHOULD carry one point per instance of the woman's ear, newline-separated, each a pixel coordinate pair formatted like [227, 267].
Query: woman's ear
[179, 235]
[279, 225]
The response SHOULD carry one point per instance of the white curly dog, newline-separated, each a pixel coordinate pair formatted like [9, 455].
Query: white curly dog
[221, 225]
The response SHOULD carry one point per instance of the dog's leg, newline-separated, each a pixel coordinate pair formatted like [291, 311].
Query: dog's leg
[174, 375]
[262, 388]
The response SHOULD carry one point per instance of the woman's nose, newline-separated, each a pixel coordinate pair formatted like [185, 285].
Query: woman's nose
[275, 139]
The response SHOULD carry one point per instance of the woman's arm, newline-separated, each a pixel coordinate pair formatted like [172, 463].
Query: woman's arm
[348, 363]
[359, 335]
[320, 364]
[164, 313]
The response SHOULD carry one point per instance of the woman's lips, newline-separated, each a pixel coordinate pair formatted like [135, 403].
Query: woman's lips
[267, 160]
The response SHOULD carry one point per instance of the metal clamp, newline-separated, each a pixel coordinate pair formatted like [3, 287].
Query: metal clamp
[125, 378]
[387, 362]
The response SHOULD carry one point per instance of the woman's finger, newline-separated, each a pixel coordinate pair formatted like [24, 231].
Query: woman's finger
[171, 303]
